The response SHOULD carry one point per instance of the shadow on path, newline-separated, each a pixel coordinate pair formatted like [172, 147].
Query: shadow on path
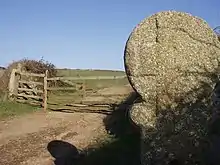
[181, 135]
[122, 149]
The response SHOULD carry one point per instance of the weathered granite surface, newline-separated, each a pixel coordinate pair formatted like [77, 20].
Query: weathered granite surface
[171, 60]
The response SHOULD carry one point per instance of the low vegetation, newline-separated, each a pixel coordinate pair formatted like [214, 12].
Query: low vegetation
[32, 66]
[11, 109]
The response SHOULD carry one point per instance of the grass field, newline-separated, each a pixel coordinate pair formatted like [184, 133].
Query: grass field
[94, 84]
[91, 85]
[79, 72]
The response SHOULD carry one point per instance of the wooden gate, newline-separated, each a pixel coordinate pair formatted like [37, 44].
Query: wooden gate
[36, 89]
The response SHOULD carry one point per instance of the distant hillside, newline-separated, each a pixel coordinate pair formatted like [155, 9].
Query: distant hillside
[80, 72]
[76, 72]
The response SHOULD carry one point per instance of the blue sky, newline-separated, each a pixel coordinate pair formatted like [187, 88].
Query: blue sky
[82, 33]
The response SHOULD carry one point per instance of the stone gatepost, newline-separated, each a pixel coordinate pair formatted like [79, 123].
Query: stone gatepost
[171, 60]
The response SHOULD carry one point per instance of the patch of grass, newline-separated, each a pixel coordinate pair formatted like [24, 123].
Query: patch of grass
[99, 84]
[10, 109]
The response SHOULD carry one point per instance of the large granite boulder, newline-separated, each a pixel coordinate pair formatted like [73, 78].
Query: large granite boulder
[171, 60]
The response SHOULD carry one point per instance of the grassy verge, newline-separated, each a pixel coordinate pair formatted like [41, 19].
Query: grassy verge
[10, 109]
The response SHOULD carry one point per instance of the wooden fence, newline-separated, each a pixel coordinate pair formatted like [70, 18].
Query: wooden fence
[33, 88]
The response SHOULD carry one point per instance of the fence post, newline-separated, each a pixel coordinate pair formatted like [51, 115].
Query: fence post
[45, 90]
[17, 78]
[13, 83]
[84, 89]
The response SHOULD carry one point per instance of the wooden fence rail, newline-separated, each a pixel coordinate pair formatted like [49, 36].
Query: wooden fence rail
[26, 88]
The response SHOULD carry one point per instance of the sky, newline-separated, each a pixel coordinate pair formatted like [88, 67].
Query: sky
[83, 34]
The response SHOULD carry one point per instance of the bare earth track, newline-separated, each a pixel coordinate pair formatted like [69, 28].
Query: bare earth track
[23, 140]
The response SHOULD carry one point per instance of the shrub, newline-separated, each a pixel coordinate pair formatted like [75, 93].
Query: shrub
[33, 66]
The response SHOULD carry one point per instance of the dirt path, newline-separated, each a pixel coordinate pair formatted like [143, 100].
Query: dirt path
[23, 140]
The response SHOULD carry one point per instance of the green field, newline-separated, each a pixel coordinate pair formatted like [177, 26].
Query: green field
[79, 72]
[94, 84]
[91, 85]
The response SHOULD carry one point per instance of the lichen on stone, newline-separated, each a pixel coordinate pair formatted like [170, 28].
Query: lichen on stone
[171, 59]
